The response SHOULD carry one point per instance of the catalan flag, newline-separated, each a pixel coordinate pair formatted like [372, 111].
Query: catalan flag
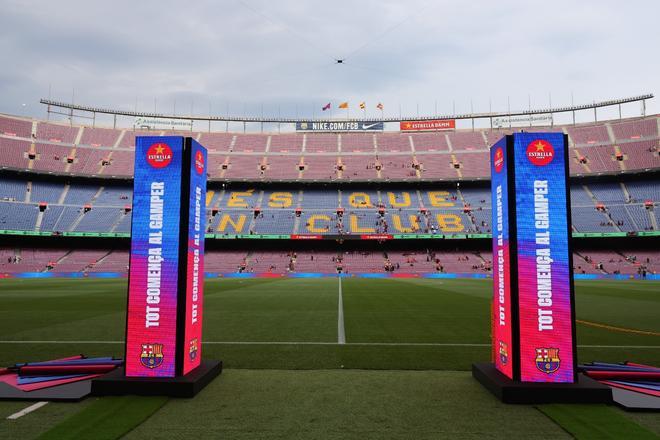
[380, 106]
[363, 105]
[343, 105]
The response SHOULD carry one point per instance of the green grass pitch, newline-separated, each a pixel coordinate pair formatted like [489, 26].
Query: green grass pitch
[402, 373]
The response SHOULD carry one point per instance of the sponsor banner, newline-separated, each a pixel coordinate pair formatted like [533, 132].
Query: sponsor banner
[522, 121]
[306, 237]
[152, 123]
[432, 125]
[332, 126]
[502, 307]
[152, 290]
[544, 285]
[192, 348]
[376, 237]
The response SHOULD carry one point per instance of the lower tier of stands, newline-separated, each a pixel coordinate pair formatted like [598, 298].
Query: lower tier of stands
[585, 262]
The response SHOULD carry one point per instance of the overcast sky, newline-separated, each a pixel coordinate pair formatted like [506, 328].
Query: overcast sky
[279, 55]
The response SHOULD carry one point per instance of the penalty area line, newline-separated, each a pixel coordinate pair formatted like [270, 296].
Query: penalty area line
[357, 344]
[27, 410]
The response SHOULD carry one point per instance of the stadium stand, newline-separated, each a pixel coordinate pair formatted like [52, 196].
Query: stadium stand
[596, 207]
[15, 127]
[99, 137]
[455, 155]
[56, 205]
[625, 261]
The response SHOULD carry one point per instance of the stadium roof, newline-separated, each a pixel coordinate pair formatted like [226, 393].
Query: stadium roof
[71, 107]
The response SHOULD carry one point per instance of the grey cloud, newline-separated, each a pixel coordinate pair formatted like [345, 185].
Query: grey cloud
[245, 53]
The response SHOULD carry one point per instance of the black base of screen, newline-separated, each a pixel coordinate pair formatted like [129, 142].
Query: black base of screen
[585, 390]
[116, 384]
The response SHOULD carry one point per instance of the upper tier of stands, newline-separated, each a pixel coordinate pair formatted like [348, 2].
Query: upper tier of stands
[35, 205]
[46, 147]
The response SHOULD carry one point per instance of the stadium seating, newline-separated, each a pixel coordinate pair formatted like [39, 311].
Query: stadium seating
[224, 262]
[642, 155]
[635, 129]
[321, 143]
[99, 137]
[320, 168]
[438, 166]
[596, 207]
[31, 260]
[286, 143]
[467, 140]
[47, 192]
[626, 261]
[128, 138]
[13, 190]
[80, 260]
[398, 167]
[217, 141]
[52, 204]
[115, 261]
[640, 191]
[393, 142]
[455, 155]
[14, 153]
[282, 167]
[18, 216]
[57, 133]
[10, 126]
[429, 141]
[589, 135]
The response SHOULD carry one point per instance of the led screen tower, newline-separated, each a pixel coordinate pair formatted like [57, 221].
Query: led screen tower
[163, 353]
[533, 334]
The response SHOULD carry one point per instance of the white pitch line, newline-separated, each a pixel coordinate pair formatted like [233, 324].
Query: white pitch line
[365, 344]
[341, 334]
[27, 410]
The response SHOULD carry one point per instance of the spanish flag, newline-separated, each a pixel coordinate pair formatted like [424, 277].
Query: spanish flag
[343, 105]
[379, 106]
[363, 105]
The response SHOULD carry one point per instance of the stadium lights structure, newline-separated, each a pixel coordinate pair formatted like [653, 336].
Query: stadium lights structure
[71, 108]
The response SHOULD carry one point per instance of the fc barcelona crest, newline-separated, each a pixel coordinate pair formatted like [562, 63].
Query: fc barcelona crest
[192, 351]
[152, 355]
[547, 359]
[504, 353]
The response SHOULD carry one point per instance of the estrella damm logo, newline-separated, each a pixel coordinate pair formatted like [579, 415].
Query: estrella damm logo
[192, 350]
[547, 360]
[199, 162]
[504, 353]
[152, 355]
[498, 159]
[159, 155]
[540, 152]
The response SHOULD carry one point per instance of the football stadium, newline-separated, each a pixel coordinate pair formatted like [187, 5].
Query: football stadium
[345, 258]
